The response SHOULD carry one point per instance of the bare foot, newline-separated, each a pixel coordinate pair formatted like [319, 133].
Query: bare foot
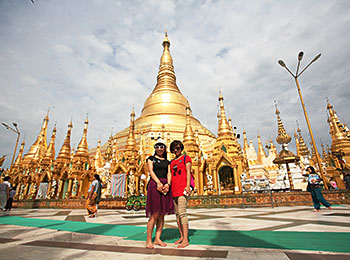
[330, 208]
[183, 244]
[179, 241]
[149, 245]
[160, 243]
[317, 210]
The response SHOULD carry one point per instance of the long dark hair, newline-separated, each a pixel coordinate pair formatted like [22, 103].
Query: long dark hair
[312, 169]
[97, 177]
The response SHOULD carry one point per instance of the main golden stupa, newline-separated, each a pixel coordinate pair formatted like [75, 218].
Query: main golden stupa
[164, 111]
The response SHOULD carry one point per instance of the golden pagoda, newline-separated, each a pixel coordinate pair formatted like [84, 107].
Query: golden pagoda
[164, 111]
[339, 157]
[285, 156]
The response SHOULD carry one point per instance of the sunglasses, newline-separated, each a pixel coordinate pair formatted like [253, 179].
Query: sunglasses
[177, 148]
[159, 147]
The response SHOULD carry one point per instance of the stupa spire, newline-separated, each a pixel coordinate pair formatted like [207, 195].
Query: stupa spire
[18, 160]
[224, 127]
[166, 97]
[245, 142]
[66, 149]
[39, 147]
[131, 142]
[98, 156]
[303, 150]
[188, 134]
[166, 79]
[261, 152]
[297, 143]
[338, 128]
[50, 152]
[273, 149]
[108, 154]
[82, 149]
[115, 151]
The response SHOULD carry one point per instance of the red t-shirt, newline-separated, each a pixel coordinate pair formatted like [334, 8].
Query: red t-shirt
[179, 174]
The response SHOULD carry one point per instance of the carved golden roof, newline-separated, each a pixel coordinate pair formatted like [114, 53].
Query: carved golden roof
[65, 151]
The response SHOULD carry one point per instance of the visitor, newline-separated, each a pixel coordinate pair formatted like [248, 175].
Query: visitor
[12, 194]
[4, 192]
[94, 196]
[333, 184]
[347, 180]
[314, 187]
[180, 186]
[159, 195]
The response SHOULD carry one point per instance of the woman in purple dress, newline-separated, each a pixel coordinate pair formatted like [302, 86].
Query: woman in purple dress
[159, 196]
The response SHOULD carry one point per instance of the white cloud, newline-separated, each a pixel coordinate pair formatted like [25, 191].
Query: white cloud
[102, 58]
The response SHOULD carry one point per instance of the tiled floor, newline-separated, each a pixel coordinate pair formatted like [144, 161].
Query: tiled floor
[18, 242]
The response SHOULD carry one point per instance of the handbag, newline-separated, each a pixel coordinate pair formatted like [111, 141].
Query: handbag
[192, 184]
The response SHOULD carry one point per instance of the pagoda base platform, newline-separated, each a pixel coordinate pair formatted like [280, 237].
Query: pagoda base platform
[245, 200]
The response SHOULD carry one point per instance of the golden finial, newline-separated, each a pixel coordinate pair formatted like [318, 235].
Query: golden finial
[166, 41]
[329, 106]
[282, 137]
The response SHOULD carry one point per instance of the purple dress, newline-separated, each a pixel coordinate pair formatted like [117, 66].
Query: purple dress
[157, 202]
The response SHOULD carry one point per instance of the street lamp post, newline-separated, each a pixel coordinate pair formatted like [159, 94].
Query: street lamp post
[300, 56]
[18, 134]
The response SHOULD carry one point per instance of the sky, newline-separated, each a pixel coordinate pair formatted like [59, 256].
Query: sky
[100, 58]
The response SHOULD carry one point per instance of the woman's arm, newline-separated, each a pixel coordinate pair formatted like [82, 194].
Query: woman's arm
[91, 191]
[167, 185]
[153, 175]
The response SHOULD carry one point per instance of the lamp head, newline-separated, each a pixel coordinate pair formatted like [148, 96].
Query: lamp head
[300, 56]
[5, 125]
[14, 124]
[281, 62]
[316, 58]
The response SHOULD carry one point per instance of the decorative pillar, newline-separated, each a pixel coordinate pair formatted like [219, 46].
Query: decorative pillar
[80, 192]
[69, 190]
[48, 190]
[59, 190]
[25, 191]
[291, 186]
[235, 177]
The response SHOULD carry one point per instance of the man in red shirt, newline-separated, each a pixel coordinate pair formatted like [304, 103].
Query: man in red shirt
[180, 186]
